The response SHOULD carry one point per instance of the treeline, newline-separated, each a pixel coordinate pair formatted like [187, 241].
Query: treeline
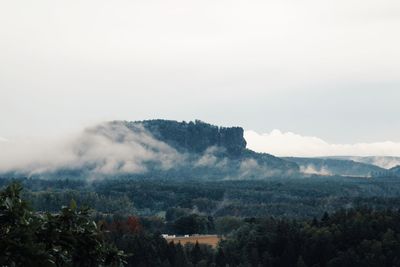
[298, 198]
[357, 237]
[145, 248]
[77, 237]
[346, 238]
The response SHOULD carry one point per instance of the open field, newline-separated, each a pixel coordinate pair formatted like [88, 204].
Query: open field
[211, 240]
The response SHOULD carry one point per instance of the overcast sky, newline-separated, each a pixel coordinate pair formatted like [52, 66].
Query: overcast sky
[325, 69]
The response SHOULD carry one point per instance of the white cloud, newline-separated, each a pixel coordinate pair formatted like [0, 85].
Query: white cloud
[312, 170]
[109, 148]
[291, 144]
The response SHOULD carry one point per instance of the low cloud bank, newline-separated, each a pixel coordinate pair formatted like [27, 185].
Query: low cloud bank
[110, 148]
[116, 148]
[290, 144]
[310, 169]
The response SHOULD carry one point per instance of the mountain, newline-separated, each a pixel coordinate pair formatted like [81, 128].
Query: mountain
[330, 166]
[219, 151]
[163, 149]
[195, 137]
[385, 162]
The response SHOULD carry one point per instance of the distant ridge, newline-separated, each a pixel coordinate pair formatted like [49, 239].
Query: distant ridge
[333, 166]
[386, 162]
[395, 171]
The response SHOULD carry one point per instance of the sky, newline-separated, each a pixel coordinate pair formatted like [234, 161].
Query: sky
[325, 70]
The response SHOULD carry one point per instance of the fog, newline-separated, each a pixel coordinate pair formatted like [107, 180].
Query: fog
[110, 148]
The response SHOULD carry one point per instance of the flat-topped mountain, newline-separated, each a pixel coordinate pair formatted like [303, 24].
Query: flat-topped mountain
[159, 149]
[167, 149]
[210, 149]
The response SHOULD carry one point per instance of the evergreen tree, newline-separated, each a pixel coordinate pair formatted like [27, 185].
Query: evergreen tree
[68, 238]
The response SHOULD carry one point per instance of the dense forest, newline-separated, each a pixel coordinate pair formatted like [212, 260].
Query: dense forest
[79, 237]
[278, 197]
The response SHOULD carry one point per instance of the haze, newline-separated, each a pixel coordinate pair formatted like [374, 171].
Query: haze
[325, 69]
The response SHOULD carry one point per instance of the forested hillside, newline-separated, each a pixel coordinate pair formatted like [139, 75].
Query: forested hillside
[395, 171]
[327, 166]
[159, 149]
[347, 237]
[279, 197]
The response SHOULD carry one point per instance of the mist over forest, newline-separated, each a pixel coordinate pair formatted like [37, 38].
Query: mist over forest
[146, 178]
[181, 150]
[200, 133]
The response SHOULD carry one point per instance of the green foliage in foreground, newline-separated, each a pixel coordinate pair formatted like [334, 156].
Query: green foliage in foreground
[68, 238]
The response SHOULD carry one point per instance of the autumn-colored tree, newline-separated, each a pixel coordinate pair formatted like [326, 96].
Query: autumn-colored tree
[121, 227]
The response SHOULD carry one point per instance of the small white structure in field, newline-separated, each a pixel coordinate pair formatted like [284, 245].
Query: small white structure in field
[168, 236]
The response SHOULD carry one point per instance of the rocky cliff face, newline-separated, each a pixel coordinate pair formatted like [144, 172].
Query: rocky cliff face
[216, 151]
[195, 137]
